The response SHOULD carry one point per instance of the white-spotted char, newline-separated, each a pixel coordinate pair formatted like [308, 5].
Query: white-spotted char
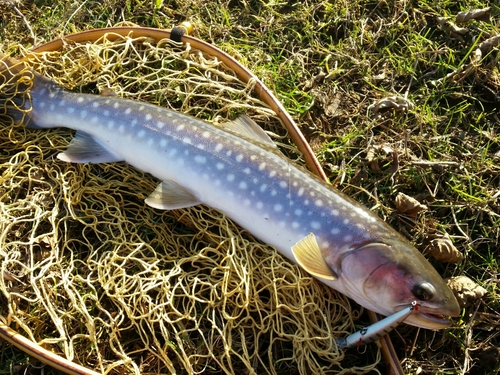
[237, 170]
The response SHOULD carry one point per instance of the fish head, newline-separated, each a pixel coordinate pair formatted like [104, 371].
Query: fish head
[386, 276]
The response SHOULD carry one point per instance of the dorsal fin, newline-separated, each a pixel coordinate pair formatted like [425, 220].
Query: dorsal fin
[247, 128]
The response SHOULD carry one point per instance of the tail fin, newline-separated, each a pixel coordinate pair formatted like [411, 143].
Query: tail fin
[16, 79]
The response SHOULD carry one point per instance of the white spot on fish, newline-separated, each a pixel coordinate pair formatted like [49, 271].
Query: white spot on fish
[325, 244]
[151, 141]
[52, 107]
[71, 110]
[348, 238]
[111, 124]
[62, 103]
[263, 188]
[106, 112]
[295, 225]
[262, 166]
[219, 166]
[218, 147]
[274, 193]
[253, 157]
[319, 203]
[259, 205]
[282, 224]
[239, 158]
[346, 221]
[141, 108]
[335, 231]
[127, 111]
[283, 184]
[180, 127]
[52, 94]
[42, 104]
[298, 212]
[272, 173]
[229, 153]
[315, 225]
[80, 99]
[172, 152]
[200, 159]
[246, 170]
[335, 212]
[141, 133]
[230, 177]
[300, 192]
[163, 142]
[160, 124]
[205, 134]
[243, 185]
[116, 104]
[148, 117]
[95, 105]
[83, 114]
[186, 140]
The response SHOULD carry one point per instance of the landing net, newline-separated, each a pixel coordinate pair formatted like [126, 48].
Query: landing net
[89, 271]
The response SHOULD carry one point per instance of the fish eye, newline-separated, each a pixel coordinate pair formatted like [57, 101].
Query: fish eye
[423, 291]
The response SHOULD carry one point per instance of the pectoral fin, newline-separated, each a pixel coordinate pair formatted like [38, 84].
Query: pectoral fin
[308, 255]
[85, 149]
[169, 195]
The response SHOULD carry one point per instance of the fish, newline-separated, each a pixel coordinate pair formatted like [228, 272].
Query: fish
[237, 169]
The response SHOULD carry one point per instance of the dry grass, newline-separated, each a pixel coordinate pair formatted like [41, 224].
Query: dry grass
[329, 62]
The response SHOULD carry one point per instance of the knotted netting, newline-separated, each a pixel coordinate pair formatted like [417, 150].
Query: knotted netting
[92, 273]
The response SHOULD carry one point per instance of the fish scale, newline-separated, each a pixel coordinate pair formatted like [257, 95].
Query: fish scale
[237, 169]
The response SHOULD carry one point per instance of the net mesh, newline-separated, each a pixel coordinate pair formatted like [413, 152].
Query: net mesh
[92, 273]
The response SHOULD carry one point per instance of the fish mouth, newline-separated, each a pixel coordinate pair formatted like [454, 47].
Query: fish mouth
[424, 318]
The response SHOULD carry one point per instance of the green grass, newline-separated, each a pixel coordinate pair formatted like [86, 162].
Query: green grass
[367, 50]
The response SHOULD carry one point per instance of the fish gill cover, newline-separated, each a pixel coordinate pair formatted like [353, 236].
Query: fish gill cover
[94, 274]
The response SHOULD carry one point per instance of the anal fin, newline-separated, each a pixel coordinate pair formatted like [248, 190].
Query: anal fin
[169, 195]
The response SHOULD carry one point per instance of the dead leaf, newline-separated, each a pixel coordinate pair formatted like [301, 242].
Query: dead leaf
[452, 29]
[380, 156]
[474, 14]
[443, 250]
[408, 205]
[465, 289]
[397, 103]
